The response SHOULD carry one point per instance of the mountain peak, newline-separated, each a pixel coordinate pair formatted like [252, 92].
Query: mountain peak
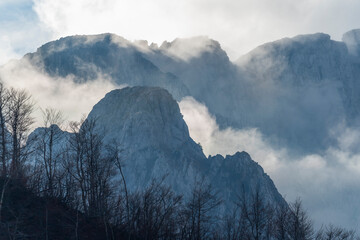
[306, 40]
[146, 122]
[352, 41]
[352, 34]
[315, 37]
[149, 112]
[81, 40]
[187, 48]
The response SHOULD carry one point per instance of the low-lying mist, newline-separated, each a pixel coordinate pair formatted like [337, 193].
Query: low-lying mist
[327, 182]
[71, 98]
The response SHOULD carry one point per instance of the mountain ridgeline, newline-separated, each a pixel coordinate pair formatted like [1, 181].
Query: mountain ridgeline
[146, 125]
[146, 122]
[284, 88]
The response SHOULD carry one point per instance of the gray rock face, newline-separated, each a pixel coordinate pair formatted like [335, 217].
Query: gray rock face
[352, 41]
[36, 138]
[295, 90]
[147, 123]
[304, 87]
[209, 75]
[85, 57]
[195, 67]
[240, 172]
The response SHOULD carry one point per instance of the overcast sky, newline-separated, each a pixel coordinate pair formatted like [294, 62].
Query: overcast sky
[238, 25]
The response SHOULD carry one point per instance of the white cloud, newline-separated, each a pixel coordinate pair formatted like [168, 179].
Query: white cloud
[238, 25]
[6, 50]
[327, 182]
[74, 100]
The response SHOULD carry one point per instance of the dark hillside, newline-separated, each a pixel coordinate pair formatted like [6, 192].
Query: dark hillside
[27, 216]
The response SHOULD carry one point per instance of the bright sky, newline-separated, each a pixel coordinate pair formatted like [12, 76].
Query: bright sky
[238, 25]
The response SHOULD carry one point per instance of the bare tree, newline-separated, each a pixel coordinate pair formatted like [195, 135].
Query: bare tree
[200, 211]
[282, 222]
[45, 142]
[154, 212]
[92, 170]
[114, 152]
[300, 227]
[15, 118]
[257, 216]
[19, 110]
[331, 232]
[234, 226]
[4, 100]
[2, 194]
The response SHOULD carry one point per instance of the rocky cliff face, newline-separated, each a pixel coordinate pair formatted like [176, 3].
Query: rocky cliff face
[207, 72]
[87, 57]
[236, 173]
[352, 41]
[305, 86]
[147, 124]
[195, 67]
[295, 90]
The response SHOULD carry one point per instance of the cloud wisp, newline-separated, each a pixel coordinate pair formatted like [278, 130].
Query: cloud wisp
[327, 182]
[73, 99]
[238, 25]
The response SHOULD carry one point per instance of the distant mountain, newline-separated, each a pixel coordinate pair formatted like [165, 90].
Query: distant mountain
[352, 41]
[146, 122]
[296, 91]
[307, 85]
[87, 57]
[195, 67]
[208, 73]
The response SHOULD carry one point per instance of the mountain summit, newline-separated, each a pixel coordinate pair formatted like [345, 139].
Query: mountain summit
[146, 122]
[284, 88]
[352, 41]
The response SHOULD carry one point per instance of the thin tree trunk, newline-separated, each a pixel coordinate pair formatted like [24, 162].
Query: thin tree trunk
[46, 222]
[3, 145]
[106, 230]
[6, 181]
[77, 225]
[126, 198]
[14, 154]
